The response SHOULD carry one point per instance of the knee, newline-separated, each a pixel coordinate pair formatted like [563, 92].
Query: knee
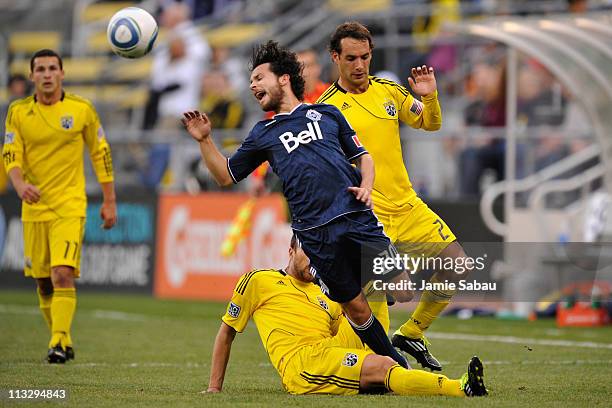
[403, 296]
[62, 276]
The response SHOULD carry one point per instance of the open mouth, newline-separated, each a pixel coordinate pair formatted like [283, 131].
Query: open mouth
[259, 95]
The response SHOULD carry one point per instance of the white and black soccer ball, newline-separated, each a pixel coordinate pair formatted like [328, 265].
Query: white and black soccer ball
[132, 32]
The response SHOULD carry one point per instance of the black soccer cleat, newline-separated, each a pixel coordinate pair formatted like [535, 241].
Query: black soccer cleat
[417, 349]
[56, 355]
[472, 382]
[69, 353]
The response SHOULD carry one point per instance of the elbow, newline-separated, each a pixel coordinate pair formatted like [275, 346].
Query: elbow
[433, 126]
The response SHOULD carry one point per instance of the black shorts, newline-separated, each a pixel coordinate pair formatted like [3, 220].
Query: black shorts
[342, 254]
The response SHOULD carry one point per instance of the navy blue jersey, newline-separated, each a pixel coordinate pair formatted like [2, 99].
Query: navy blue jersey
[310, 150]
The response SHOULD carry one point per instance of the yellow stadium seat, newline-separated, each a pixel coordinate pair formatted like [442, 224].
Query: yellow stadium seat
[20, 66]
[87, 92]
[84, 69]
[103, 11]
[27, 42]
[131, 70]
[358, 6]
[231, 35]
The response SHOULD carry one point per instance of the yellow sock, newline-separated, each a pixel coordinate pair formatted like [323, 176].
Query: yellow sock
[44, 302]
[431, 304]
[62, 311]
[417, 382]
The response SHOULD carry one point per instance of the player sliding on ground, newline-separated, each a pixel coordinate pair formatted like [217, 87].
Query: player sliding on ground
[311, 345]
[310, 148]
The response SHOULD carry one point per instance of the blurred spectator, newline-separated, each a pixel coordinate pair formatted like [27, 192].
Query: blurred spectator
[233, 67]
[577, 6]
[220, 102]
[17, 88]
[487, 110]
[313, 85]
[176, 75]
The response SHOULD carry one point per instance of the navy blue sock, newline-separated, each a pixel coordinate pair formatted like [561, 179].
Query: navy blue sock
[373, 334]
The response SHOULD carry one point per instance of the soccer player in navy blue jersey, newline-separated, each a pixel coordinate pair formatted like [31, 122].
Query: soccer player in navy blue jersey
[310, 148]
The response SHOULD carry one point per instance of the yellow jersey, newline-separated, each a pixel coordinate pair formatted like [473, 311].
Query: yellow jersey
[288, 313]
[375, 116]
[47, 142]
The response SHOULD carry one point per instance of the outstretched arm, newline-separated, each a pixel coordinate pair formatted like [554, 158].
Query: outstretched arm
[199, 127]
[220, 357]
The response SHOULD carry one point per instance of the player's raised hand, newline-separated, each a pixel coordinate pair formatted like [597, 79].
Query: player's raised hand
[197, 124]
[362, 194]
[423, 80]
[28, 193]
[108, 213]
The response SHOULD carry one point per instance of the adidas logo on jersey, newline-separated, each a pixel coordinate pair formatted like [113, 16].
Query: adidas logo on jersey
[280, 282]
[345, 106]
[292, 142]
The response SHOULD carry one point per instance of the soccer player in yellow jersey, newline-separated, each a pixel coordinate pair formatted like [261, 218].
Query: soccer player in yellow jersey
[374, 107]
[43, 155]
[311, 344]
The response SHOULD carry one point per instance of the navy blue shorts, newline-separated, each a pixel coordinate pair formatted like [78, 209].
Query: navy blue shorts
[342, 254]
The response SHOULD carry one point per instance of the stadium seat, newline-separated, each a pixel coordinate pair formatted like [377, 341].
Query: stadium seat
[103, 10]
[87, 92]
[27, 42]
[87, 69]
[231, 35]
[358, 6]
[130, 70]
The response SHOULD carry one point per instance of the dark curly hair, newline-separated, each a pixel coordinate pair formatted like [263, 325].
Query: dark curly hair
[282, 61]
[350, 29]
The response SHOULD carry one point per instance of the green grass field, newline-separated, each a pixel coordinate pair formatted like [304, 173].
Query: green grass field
[138, 351]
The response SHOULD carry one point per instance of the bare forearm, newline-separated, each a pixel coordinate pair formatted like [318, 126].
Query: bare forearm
[220, 356]
[365, 163]
[108, 191]
[216, 162]
[16, 176]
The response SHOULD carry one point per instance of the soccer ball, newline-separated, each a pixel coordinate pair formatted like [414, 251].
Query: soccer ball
[131, 32]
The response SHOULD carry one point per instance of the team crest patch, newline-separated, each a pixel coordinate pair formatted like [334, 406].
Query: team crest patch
[233, 310]
[390, 108]
[323, 303]
[313, 115]
[67, 122]
[9, 137]
[350, 359]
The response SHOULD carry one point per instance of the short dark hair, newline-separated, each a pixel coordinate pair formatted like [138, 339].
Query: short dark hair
[350, 29]
[282, 61]
[45, 53]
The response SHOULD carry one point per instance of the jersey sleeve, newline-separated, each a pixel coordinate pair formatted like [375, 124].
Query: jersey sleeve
[246, 159]
[12, 152]
[351, 146]
[99, 149]
[425, 114]
[243, 304]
